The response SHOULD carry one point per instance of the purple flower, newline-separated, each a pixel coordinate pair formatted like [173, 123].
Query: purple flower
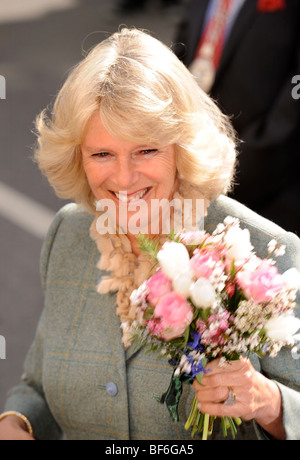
[195, 344]
[196, 366]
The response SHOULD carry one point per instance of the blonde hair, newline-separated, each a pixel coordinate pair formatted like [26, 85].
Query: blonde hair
[143, 93]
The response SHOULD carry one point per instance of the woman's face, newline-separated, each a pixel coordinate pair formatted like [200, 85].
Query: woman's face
[127, 173]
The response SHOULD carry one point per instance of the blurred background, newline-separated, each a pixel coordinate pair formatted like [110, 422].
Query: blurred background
[40, 40]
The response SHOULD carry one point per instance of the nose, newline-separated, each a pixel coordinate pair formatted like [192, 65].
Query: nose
[126, 174]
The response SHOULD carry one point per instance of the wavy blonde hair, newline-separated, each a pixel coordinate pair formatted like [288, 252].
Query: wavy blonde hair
[143, 93]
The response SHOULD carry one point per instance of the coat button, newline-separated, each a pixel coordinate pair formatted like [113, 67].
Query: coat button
[112, 389]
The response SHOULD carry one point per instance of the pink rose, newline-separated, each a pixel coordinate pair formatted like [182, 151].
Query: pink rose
[203, 262]
[158, 285]
[175, 314]
[213, 331]
[154, 327]
[261, 283]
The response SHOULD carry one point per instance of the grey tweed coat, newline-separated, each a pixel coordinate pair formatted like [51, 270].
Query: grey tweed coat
[78, 380]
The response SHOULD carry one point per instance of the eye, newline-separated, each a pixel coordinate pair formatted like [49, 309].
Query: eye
[148, 151]
[100, 155]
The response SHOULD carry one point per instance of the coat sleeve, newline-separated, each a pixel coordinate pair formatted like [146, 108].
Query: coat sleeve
[28, 397]
[285, 368]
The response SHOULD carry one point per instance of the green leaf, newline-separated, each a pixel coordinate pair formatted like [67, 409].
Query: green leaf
[232, 269]
[199, 377]
[148, 246]
[186, 336]
[172, 236]
[171, 397]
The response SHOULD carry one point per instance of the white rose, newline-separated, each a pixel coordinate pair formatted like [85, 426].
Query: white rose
[182, 283]
[283, 327]
[238, 242]
[291, 278]
[174, 259]
[202, 293]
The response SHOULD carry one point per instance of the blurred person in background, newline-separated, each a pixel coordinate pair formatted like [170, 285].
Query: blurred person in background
[131, 6]
[245, 55]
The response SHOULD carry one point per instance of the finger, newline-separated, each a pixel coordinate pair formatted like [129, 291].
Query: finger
[218, 366]
[222, 410]
[212, 394]
[232, 379]
[15, 435]
[232, 374]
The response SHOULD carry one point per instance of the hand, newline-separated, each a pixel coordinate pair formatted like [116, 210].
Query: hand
[256, 397]
[12, 428]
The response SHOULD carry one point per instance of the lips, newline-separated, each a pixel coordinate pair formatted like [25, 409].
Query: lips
[125, 197]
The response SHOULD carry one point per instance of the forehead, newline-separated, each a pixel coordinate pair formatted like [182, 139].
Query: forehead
[96, 133]
[97, 137]
[95, 129]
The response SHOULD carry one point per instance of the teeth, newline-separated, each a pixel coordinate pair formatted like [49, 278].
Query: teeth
[122, 196]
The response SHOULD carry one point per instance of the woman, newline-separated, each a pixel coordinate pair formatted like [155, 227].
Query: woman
[129, 127]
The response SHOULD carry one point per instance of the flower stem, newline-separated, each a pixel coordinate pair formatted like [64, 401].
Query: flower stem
[211, 424]
[192, 414]
[198, 423]
[237, 421]
[224, 427]
[203, 423]
[205, 427]
[232, 427]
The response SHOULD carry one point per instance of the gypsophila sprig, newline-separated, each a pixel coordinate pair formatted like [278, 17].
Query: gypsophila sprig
[148, 246]
[212, 297]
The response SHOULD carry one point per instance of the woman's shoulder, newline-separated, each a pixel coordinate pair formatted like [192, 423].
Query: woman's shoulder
[70, 217]
[68, 235]
[261, 229]
[224, 206]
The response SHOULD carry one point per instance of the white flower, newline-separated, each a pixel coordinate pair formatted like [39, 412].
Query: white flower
[291, 278]
[174, 259]
[202, 293]
[138, 296]
[183, 367]
[182, 283]
[282, 327]
[238, 242]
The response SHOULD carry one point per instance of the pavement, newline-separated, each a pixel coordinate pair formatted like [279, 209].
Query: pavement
[40, 41]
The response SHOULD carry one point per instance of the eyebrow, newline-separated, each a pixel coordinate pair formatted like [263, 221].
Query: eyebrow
[91, 148]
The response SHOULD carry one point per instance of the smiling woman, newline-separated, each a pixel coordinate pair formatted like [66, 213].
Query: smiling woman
[118, 86]
[130, 128]
[127, 172]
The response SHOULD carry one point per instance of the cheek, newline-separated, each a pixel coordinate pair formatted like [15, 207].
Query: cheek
[95, 176]
[163, 167]
[166, 174]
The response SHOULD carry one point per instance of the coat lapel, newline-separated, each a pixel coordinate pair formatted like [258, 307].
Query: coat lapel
[191, 30]
[196, 28]
[241, 25]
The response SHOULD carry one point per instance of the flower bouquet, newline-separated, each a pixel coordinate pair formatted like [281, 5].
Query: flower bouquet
[212, 297]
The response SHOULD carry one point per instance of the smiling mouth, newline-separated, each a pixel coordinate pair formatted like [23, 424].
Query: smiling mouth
[125, 198]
